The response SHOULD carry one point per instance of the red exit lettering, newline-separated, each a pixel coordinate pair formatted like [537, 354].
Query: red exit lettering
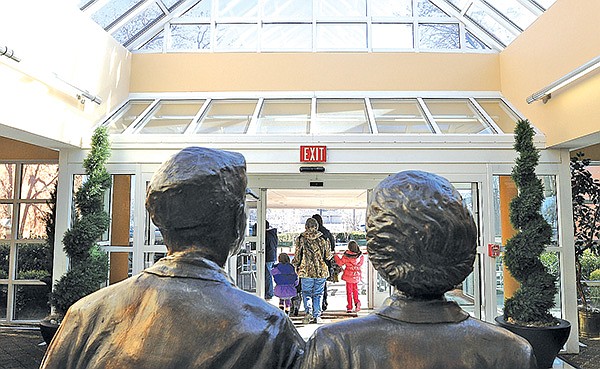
[313, 154]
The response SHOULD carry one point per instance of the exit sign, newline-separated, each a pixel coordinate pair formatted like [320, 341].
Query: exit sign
[313, 154]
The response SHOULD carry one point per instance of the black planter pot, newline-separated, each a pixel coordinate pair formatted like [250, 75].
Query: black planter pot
[589, 324]
[546, 341]
[48, 328]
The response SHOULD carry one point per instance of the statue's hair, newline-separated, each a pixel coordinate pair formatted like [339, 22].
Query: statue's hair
[420, 236]
[196, 198]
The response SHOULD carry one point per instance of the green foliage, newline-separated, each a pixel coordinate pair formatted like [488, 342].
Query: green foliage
[88, 264]
[585, 197]
[531, 303]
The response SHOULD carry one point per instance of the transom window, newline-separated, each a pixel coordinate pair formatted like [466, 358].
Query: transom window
[320, 116]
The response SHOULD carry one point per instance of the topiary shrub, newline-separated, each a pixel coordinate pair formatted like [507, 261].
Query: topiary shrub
[88, 264]
[531, 303]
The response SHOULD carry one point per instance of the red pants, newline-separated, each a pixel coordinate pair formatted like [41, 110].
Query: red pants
[352, 293]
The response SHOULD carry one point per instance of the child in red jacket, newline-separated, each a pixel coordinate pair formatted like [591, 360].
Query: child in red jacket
[351, 262]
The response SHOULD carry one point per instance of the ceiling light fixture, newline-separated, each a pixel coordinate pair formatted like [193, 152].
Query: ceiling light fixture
[546, 93]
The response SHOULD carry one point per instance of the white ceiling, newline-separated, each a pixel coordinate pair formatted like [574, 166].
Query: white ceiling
[317, 199]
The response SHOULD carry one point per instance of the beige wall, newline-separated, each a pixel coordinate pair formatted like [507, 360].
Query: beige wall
[15, 150]
[565, 37]
[57, 38]
[314, 72]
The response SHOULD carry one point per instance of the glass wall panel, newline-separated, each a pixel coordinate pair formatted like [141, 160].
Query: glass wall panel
[31, 222]
[287, 9]
[237, 8]
[236, 36]
[457, 116]
[549, 208]
[3, 301]
[439, 36]
[34, 260]
[340, 116]
[6, 221]
[502, 115]
[31, 302]
[399, 116]
[281, 116]
[126, 115]
[172, 117]
[190, 36]
[392, 36]
[7, 181]
[38, 180]
[4, 262]
[341, 36]
[341, 8]
[231, 116]
[391, 8]
[280, 36]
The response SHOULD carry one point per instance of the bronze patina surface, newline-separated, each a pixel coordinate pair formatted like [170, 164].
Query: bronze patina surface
[422, 240]
[183, 312]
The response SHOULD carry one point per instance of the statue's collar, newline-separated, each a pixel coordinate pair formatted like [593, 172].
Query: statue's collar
[189, 264]
[402, 308]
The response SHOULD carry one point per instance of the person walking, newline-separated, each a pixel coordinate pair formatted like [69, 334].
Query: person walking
[312, 251]
[271, 243]
[329, 237]
[286, 281]
[351, 261]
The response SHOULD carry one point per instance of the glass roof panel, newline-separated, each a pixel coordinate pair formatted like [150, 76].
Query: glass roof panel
[399, 116]
[156, 43]
[237, 8]
[137, 24]
[236, 36]
[284, 116]
[289, 9]
[340, 116]
[341, 8]
[171, 116]
[201, 10]
[392, 36]
[427, 9]
[331, 36]
[281, 36]
[515, 11]
[495, 23]
[127, 115]
[482, 17]
[387, 8]
[439, 36]
[502, 115]
[227, 116]
[112, 11]
[457, 116]
[190, 36]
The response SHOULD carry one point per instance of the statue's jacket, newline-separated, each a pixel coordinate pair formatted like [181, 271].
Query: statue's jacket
[417, 334]
[183, 312]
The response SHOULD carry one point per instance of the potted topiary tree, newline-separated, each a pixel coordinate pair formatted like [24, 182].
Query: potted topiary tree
[585, 191]
[88, 264]
[527, 312]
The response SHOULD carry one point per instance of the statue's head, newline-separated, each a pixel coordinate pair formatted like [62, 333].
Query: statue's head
[196, 198]
[420, 236]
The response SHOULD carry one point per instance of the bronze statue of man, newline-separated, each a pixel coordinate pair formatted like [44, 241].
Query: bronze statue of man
[184, 311]
[422, 240]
